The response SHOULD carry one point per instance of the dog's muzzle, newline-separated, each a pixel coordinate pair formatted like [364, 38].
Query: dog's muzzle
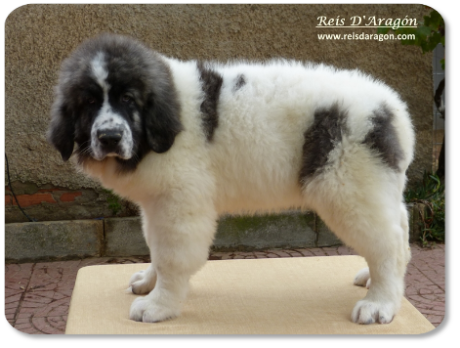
[111, 136]
[110, 139]
[112, 142]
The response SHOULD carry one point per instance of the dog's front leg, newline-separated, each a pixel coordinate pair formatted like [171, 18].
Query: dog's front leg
[163, 302]
[179, 236]
[143, 282]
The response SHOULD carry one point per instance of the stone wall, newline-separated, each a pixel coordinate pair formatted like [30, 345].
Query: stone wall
[39, 37]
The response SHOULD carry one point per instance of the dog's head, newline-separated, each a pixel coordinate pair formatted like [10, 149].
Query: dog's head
[114, 98]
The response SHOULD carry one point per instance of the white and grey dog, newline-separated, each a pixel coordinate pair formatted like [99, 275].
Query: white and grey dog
[189, 140]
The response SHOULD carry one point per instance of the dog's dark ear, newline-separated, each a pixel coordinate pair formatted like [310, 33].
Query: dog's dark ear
[162, 122]
[61, 131]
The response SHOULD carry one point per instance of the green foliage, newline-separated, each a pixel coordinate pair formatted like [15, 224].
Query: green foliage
[427, 35]
[431, 192]
[114, 201]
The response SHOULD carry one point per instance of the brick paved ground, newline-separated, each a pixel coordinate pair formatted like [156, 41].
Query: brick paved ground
[37, 295]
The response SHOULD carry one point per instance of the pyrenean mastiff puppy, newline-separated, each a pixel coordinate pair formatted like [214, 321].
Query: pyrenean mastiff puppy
[189, 140]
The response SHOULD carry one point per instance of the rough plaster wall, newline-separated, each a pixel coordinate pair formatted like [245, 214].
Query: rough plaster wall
[39, 37]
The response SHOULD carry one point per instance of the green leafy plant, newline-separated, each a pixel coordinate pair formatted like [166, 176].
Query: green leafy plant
[427, 35]
[115, 202]
[431, 192]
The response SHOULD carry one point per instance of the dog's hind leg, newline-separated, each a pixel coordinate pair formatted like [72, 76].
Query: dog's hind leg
[383, 248]
[363, 277]
[367, 213]
[405, 227]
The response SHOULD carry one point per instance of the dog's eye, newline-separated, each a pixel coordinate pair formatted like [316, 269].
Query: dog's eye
[91, 100]
[126, 98]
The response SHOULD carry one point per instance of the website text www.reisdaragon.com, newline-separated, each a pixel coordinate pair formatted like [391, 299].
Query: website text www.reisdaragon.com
[365, 36]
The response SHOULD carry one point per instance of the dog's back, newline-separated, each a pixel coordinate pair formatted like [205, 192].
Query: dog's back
[281, 124]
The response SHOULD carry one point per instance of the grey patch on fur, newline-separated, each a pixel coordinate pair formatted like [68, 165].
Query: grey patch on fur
[383, 139]
[240, 82]
[325, 133]
[211, 83]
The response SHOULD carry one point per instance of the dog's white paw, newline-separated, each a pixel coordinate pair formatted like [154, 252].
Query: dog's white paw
[363, 278]
[370, 312]
[146, 310]
[142, 282]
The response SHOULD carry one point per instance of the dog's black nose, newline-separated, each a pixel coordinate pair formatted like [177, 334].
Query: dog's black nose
[109, 138]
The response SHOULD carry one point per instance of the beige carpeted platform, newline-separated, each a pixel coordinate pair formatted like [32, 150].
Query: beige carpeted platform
[311, 295]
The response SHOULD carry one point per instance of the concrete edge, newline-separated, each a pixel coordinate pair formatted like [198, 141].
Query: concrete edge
[118, 237]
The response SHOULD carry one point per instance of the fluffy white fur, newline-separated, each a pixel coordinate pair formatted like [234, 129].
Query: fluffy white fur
[253, 164]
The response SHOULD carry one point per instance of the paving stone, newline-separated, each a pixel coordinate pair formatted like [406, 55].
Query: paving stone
[318, 252]
[10, 312]
[48, 325]
[282, 254]
[227, 257]
[26, 326]
[238, 257]
[305, 252]
[294, 253]
[260, 254]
